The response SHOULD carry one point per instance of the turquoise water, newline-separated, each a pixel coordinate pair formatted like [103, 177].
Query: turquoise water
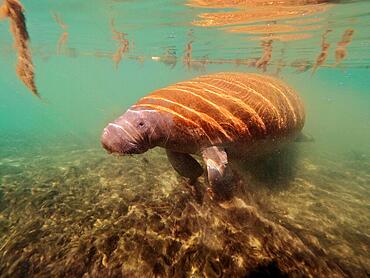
[69, 209]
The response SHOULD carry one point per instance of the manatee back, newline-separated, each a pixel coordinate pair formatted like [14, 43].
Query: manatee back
[225, 108]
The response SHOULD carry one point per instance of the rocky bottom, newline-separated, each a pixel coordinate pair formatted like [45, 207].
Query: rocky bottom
[82, 213]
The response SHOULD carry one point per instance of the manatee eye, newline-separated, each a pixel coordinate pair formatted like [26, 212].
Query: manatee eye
[141, 124]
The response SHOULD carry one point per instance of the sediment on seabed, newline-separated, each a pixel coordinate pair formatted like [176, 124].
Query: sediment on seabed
[89, 215]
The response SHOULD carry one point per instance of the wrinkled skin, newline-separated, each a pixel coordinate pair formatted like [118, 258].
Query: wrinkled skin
[135, 132]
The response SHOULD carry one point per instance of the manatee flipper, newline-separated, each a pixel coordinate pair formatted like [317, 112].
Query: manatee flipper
[220, 175]
[185, 165]
[304, 138]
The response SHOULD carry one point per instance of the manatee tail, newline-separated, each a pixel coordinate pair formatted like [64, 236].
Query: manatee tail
[304, 138]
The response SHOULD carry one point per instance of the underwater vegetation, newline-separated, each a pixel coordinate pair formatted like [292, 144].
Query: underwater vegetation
[341, 50]
[270, 22]
[88, 215]
[13, 10]
[123, 44]
[64, 35]
[68, 209]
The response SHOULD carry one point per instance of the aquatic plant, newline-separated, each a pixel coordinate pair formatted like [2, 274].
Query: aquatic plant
[341, 50]
[13, 10]
[123, 44]
[81, 213]
[62, 41]
[266, 56]
[324, 51]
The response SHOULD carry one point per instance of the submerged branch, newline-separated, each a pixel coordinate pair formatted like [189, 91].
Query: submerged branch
[62, 41]
[25, 71]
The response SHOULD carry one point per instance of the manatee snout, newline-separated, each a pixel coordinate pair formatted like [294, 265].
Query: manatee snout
[122, 139]
[112, 139]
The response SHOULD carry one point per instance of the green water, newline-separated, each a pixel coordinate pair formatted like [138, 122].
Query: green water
[68, 209]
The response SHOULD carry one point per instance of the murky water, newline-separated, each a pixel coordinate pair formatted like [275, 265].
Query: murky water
[68, 209]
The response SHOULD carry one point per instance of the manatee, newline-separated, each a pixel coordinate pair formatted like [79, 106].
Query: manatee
[219, 117]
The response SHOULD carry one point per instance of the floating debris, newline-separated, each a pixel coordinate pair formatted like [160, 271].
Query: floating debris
[169, 58]
[25, 70]
[341, 50]
[123, 44]
[188, 54]
[188, 61]
[301, 65]
[280, 64]
[266, 56]
[320, 60]
[62, 41]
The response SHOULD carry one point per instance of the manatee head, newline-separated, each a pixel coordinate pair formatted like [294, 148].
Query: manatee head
[132, 133]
